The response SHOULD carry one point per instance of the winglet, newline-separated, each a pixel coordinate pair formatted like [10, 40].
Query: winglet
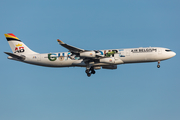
[59, 41]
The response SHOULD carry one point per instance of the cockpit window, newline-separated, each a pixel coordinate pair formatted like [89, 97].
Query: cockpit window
[167, 50]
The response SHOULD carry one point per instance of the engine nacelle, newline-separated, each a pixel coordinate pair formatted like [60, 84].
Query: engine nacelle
[97, 67]
[110, 67]
[107, 60]
[89, 54]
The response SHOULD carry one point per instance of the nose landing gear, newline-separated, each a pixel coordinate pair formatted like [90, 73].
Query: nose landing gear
[158, 66]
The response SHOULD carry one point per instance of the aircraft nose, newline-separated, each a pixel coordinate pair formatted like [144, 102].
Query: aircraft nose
[170, 54]
[173, 54]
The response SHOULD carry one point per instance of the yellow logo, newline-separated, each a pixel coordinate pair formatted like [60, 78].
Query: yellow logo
[18, 45]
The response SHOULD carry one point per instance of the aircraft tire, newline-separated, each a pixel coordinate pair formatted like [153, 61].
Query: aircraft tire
[87, 71]
[88, 74]
[93, 72]
[158, 66]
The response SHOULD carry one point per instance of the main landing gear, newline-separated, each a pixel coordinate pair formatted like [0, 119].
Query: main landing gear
[158, 66]
[90, 71]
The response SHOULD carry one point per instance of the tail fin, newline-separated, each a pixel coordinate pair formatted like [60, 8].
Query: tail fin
[17, 46]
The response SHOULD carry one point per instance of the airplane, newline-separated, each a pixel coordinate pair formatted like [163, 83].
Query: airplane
[90, 59]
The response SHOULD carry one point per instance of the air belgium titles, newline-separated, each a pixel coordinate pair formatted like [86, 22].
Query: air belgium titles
[142, 50]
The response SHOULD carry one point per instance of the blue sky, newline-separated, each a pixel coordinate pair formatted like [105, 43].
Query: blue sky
[132, 92]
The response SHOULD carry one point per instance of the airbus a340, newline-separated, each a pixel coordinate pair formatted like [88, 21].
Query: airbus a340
[90, 59]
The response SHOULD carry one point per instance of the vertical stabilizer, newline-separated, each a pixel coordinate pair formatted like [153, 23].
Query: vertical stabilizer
[17, 46]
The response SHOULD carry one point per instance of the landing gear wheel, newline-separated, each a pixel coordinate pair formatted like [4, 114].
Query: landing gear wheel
[87, 71]
[93, 71]
[88, 74]
[158, 66]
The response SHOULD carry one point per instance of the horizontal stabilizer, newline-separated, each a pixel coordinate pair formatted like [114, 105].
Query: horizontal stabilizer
[15, 56]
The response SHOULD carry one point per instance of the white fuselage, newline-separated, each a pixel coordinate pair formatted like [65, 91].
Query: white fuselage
[110, 57]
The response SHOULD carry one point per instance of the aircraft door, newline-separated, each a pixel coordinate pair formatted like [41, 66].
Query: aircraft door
[127, 53]
[39, 57]
[116, 56]
[36, 57]
[159, 51]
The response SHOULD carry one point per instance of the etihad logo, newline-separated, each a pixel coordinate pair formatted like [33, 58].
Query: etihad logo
[18, 45]
[19, 48]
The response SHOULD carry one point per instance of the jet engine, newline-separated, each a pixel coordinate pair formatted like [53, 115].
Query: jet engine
[89, 54]
[107, 60]
[97, 67]
[110, 67]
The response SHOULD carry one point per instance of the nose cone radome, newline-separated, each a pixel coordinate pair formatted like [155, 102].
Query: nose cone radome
[170, 55]
[173, 54]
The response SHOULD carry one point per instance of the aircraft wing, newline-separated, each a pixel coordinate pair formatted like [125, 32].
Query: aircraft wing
[70, 48]
[84, 54]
